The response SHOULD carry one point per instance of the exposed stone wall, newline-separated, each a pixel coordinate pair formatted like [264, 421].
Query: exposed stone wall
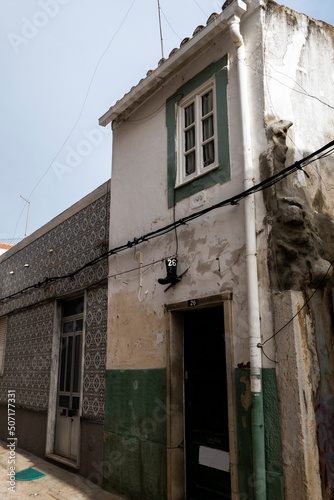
[296, 250]
[300, 255]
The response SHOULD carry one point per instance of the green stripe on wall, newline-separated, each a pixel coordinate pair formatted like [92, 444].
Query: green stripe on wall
[274, 466]
[135, 434]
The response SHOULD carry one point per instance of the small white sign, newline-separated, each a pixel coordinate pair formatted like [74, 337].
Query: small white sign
[216, 459]
[197, 199]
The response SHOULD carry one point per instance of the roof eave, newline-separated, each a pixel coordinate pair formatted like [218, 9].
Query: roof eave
[140, 92]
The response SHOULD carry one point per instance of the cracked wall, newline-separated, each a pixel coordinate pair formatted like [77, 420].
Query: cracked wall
[300, 239]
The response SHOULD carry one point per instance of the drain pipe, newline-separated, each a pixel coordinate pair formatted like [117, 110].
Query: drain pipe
[258, 445]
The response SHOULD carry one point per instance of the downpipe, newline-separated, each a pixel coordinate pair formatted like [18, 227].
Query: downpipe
[258, 443]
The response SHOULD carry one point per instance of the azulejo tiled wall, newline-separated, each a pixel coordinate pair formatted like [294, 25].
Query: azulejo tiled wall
[74, 243]
[95, 354]
[28, 357]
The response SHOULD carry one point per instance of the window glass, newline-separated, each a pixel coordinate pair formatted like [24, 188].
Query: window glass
[208, 153]
[190, 163]
[189, 115]
[75, 403]
[207, 128]
[69, 364]
[72, 307]
[79, 325]
[68, 326]
[64, 401]
[77, 353]
[190, 138]
[62, 364]
[207, 103]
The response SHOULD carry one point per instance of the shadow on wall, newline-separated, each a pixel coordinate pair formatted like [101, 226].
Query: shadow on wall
[324, 413]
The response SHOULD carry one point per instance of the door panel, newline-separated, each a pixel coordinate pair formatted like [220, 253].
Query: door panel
[206, 410]
[68, 397]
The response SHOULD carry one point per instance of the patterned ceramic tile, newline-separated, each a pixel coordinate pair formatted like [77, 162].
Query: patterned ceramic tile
[31, 314]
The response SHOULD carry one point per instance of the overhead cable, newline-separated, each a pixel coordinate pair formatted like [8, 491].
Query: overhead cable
[234, 200]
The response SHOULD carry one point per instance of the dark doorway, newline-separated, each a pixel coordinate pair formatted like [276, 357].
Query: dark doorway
[206, 411]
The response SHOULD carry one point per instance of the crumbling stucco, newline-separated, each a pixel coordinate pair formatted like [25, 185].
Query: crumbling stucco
[295, 247]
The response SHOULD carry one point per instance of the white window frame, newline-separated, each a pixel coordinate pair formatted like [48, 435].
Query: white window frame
[196, 98]
[3, 333]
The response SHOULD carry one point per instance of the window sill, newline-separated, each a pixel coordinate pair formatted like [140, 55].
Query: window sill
[195, 177]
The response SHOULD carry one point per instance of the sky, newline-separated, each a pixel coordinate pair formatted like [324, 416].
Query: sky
[63, 64]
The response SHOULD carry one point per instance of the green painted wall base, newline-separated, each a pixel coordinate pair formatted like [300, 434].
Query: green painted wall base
[274, 466]
[134, 462]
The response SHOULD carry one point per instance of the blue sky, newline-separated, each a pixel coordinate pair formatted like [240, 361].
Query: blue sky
[64, 63]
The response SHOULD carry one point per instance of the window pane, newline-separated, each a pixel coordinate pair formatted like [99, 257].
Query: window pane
[207, 103]
[189, 116]
[75, 306]
[75, 403]
[68, 327]
[190, 138]
[77, 351]
[208, 153]
[79, 325]
[207, 126]
[62, 364]
[64, 401]
[190, 163]
[69, 364]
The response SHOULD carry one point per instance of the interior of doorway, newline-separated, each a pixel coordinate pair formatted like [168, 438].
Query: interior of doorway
[176, 457]
[206, 406]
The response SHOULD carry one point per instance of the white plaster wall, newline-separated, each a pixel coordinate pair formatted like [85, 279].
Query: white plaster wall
[211, 248]
[299, 86]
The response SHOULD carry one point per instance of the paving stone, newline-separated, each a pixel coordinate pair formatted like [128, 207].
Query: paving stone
[57, 484]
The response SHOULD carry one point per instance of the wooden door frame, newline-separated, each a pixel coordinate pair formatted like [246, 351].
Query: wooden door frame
[176, 478]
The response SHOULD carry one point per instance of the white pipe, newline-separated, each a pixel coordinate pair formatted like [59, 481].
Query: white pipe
[250, 227]
[251, 266]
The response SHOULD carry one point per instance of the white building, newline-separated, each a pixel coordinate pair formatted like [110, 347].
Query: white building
[221, 385]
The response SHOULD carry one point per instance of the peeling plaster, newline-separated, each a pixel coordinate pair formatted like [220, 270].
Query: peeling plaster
[137, 338]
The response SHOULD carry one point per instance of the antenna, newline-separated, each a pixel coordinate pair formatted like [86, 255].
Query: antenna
[25, 234]
[161, 39]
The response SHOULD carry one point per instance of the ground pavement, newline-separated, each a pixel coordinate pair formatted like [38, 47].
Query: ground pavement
[56, 484]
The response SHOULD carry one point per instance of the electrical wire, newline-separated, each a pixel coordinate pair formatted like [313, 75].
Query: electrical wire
[137, 268]
[200, 7]
[270, 181]
[299, 310]
[171, 27]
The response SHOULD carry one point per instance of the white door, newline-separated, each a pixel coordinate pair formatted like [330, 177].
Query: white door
[67, 436]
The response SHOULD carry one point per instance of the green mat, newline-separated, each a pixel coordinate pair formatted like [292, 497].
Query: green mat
[28, 474]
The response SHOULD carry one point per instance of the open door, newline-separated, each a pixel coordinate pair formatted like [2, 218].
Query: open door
[67, 434]
[206, 409]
